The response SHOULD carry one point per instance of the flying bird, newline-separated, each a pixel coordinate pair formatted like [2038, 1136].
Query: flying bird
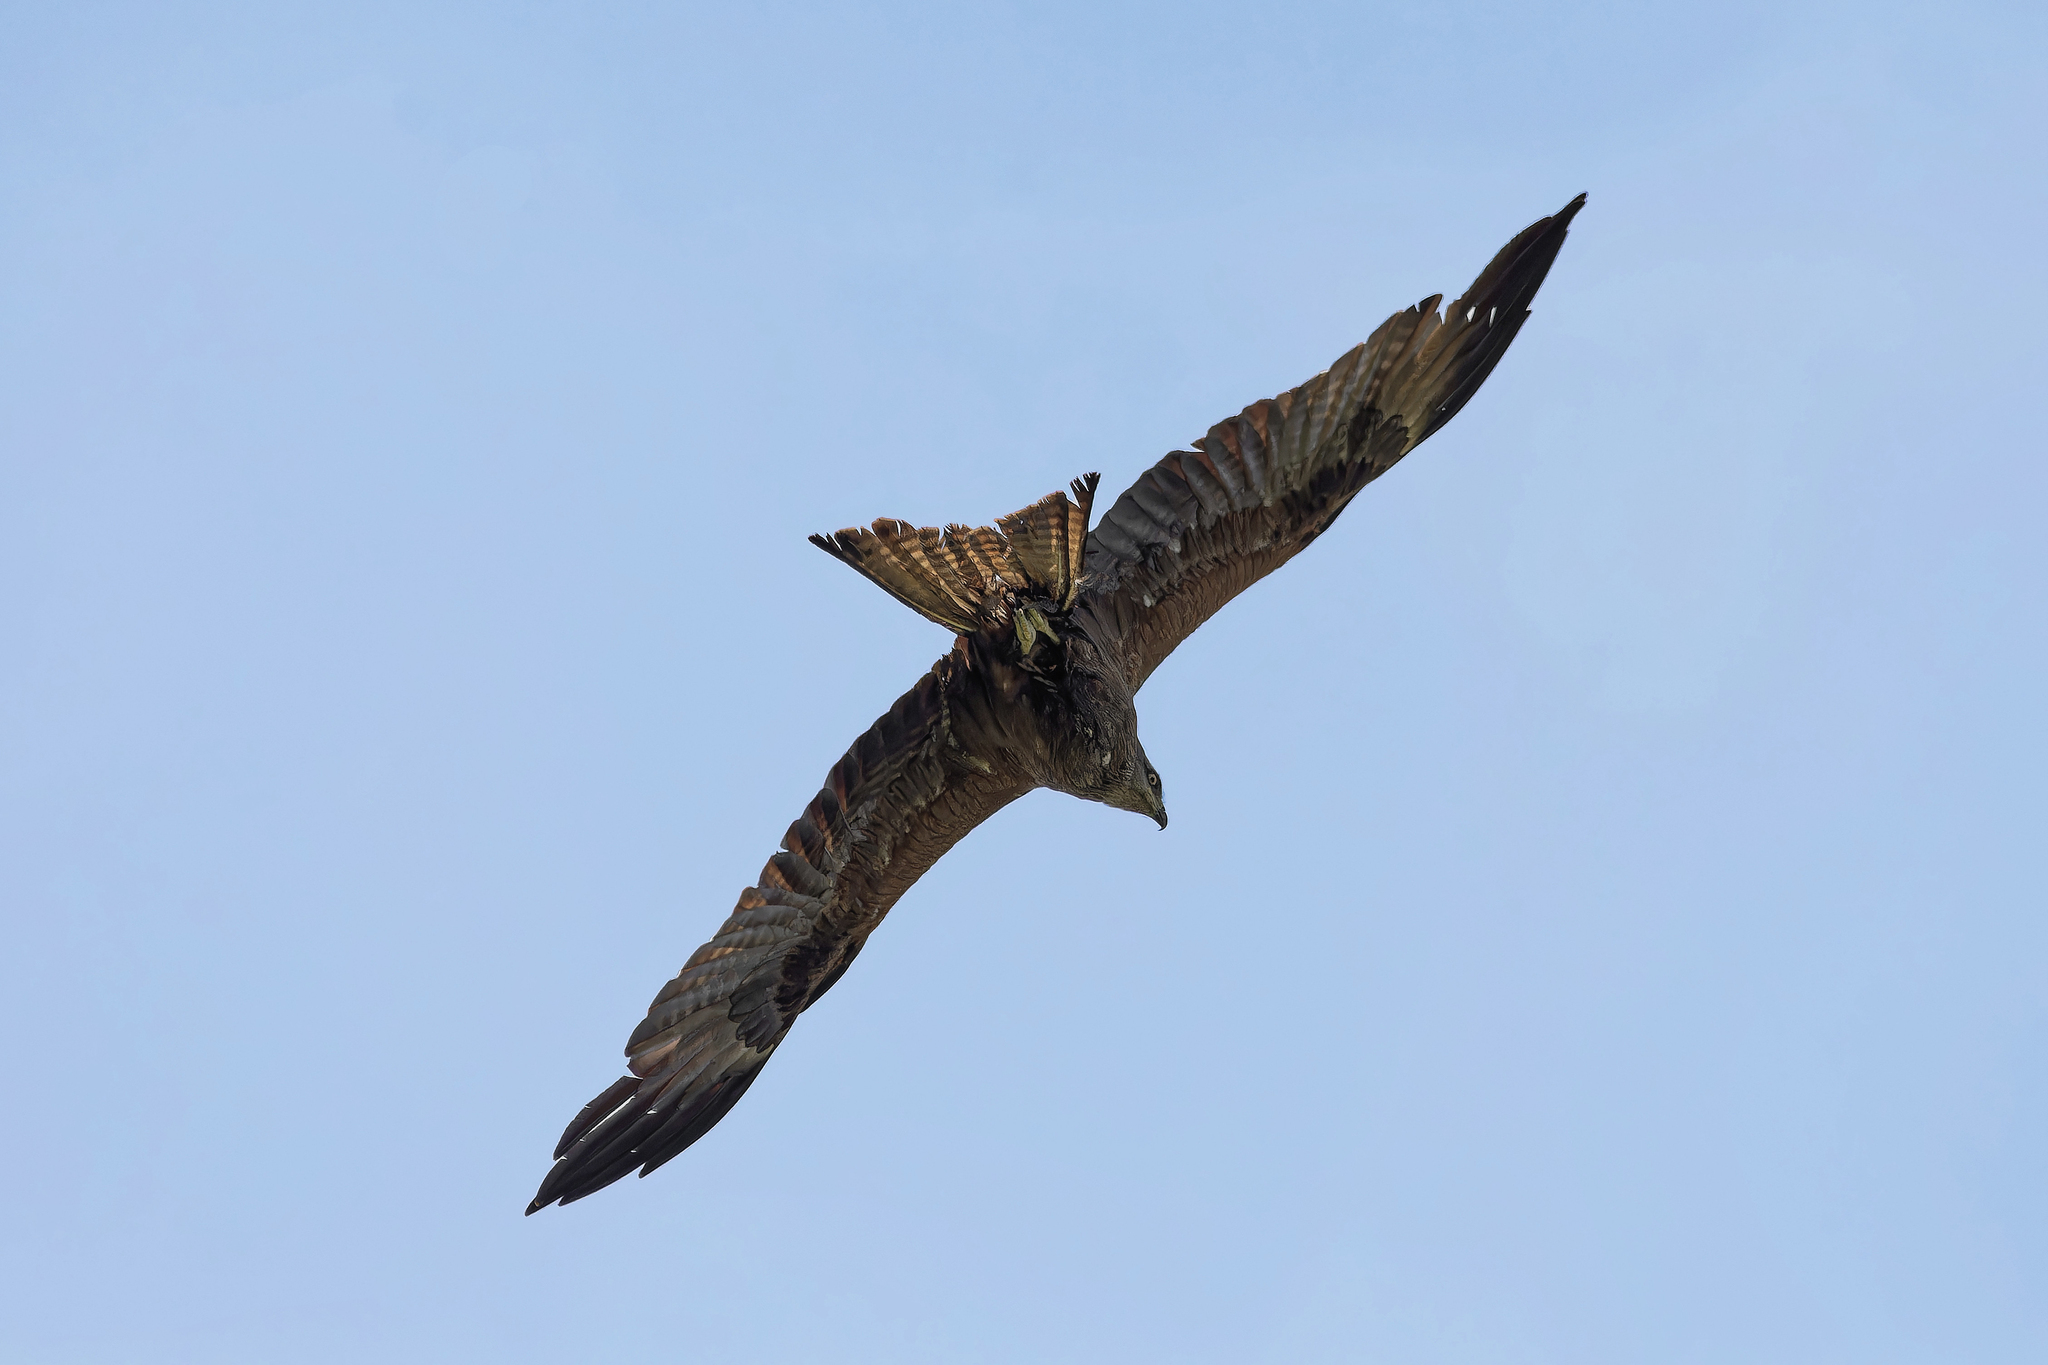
[1056, 627]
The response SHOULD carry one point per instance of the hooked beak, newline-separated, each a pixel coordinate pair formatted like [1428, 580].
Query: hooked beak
[1160, 816]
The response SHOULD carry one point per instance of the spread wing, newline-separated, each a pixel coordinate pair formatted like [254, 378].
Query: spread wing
[903, 794]
[1203, 525]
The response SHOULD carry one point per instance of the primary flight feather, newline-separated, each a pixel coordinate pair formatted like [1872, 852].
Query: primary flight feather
[1057, 627]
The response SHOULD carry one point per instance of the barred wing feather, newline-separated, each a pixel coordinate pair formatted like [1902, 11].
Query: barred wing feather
[897, 800]
[1204, 524]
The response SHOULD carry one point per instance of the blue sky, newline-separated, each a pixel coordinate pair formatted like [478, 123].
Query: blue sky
[1602, 915]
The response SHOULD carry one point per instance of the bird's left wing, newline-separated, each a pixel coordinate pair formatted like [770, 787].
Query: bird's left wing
[1203, 525]
[903, 794]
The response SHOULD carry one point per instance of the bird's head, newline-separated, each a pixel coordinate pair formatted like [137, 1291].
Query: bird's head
[1097, 756]
[1135, 785]
[1109, 765]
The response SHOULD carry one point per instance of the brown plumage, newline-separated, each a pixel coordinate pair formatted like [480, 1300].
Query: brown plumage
[1056, 629]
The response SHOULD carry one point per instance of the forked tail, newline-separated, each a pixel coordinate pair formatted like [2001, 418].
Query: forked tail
[964, 576]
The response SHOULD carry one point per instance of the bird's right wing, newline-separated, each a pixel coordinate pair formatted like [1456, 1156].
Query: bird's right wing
[903, 794]
[1203, 525]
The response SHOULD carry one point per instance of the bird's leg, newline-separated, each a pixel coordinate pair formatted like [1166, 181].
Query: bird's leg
[1031, 622]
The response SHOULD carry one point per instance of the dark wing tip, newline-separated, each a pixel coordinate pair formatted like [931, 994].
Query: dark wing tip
[591, 1114]
[1505, 288]
[612, 1135]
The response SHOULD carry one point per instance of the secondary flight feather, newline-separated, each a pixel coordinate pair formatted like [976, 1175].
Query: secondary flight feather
[1056, 628]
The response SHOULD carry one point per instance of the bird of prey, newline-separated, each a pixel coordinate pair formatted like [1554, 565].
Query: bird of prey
[1056, 628]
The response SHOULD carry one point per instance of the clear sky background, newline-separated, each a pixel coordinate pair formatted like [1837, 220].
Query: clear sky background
[1603, 914]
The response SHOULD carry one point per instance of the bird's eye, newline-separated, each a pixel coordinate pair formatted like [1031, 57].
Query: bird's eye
[1153, 778]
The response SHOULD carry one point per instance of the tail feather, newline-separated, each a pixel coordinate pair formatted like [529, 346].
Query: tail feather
[958, 576]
